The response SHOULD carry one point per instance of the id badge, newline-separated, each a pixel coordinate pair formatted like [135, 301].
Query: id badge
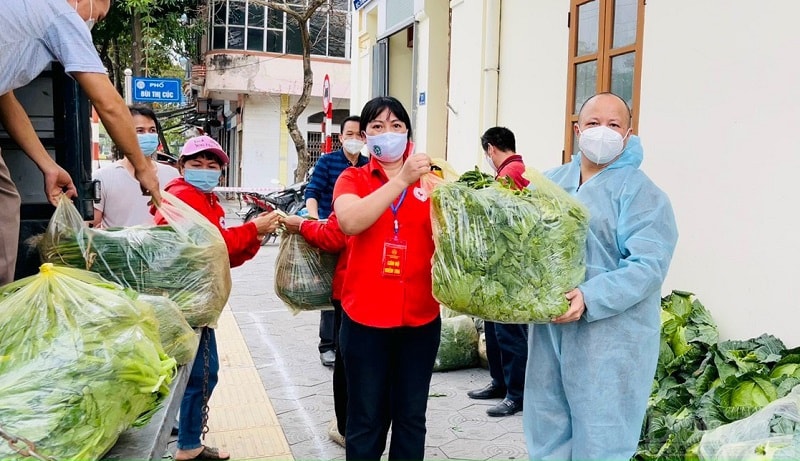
[394, 258]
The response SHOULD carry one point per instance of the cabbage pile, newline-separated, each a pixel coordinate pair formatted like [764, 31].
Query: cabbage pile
[702, 384]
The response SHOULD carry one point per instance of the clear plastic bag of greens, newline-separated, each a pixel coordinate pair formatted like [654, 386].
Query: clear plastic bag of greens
[458, 347]
[303, 274]
[507, 255]
[178, 338]
[771, 433]
[186, 260]
[80, 362]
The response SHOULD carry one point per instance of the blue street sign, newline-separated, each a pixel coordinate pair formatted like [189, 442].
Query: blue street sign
[157, 89]
[359, 3]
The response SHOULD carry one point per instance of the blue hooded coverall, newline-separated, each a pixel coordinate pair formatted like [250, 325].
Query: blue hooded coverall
[587, 382]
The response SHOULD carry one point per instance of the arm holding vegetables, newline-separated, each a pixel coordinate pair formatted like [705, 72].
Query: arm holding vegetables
[576, 307]
[242, 242]
[357, 214]
[324, 235]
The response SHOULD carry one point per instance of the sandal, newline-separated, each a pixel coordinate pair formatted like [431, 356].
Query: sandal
[208, 454]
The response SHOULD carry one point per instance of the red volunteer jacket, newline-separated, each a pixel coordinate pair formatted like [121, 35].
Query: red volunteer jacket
[242, 241]
[329, 238]
[513, 167]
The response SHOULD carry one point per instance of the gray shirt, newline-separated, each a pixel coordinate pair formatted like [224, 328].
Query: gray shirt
[34, 33]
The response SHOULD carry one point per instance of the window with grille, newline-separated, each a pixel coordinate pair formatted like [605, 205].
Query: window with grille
[251, 25]
[315, 143]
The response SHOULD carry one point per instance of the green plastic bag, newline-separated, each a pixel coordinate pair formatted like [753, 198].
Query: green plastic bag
[304, 275]
[186, 260]
[506, 255]
[458, 346]
[80, 362]
[178, 338]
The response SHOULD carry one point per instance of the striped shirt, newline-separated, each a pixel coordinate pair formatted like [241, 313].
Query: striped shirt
[326, 172]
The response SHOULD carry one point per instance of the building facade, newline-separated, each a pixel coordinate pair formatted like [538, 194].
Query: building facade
[710, 86]
[253, 72]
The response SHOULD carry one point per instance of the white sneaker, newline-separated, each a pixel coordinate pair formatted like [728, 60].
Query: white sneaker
[333, 433]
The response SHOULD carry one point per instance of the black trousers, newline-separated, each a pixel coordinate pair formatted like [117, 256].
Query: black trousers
[388, 378]
[507, 353]
[339, 377]
[328, 340]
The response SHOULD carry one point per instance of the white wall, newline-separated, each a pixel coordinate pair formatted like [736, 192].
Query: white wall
[260, 141]
[530, 89]
[364, 28]
[533, 78]
[262, 134]
[230, 73]
[466, 91]
[718, 106]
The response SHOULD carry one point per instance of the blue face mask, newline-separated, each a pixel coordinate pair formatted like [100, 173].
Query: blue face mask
[205, 180]
[148, 142]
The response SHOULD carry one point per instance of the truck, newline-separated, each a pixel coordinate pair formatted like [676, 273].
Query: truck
[60, 113]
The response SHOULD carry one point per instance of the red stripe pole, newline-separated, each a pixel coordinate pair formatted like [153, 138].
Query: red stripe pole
[329, 122]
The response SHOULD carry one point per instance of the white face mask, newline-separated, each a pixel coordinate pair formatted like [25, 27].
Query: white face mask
[353, 146]
[490, 163]
[601, 144]
[91, 21]
[387, 147]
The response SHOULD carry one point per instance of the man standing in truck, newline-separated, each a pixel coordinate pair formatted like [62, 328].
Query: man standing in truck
[33, 33]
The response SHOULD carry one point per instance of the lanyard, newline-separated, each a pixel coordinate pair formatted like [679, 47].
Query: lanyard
[394, 207]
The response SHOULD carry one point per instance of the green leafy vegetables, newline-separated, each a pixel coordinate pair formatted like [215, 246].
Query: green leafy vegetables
[507, 255]
[458, 347]
[80, 362]
[177, 337]
[702, 384]
[303, 274]
[772, 433]
[186, 261]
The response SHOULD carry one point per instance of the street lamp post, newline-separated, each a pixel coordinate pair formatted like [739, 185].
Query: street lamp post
[128, 86]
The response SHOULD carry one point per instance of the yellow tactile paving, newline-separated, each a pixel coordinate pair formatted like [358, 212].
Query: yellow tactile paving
[241, 418]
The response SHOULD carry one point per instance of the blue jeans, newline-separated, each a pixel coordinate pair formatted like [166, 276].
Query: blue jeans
[190, 425]
[388, 377]
[507, 353]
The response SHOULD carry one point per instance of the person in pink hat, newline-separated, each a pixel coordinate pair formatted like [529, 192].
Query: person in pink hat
[200, 165]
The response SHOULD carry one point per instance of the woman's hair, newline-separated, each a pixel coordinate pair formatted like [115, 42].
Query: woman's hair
[375, 106]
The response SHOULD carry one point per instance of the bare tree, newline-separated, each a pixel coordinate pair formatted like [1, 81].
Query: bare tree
[301, 14]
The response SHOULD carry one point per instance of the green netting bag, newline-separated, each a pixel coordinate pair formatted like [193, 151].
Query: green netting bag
[507, 255]
[186, 260]
[304, 274]
[80, 362]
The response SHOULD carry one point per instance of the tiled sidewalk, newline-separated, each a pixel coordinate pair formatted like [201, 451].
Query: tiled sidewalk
[241, 418]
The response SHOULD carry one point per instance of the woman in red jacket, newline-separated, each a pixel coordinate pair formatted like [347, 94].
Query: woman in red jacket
[390, 330]
[200, 165]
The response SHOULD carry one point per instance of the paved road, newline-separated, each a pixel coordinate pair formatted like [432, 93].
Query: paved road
[284, 349]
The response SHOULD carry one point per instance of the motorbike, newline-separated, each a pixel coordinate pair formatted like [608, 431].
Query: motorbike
[290, 200]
